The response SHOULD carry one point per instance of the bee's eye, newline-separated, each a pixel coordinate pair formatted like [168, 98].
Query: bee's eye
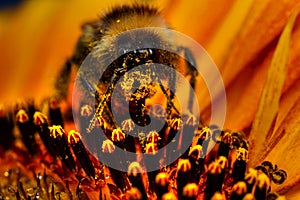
[122, 51]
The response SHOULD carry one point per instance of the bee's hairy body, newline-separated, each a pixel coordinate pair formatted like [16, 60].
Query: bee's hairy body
[123, 29]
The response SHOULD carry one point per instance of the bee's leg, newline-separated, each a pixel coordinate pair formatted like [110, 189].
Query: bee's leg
[172, 84]
[62, 81]
[64, 76]
[82, 49]
[190, 71]
[169, 97]
[102, 105]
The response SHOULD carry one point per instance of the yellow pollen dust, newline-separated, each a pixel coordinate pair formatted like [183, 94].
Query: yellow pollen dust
[162, 178]
[117, 135]
[176, 123]
[240, 188]
[197, 148]
[206, 131]
[22, 116]
[190, 190]
[134, 168]
[184, 165]
[108, 146]
[73, 136]
[217, 196]
[56, 130]
[39, 118]
[151, 148]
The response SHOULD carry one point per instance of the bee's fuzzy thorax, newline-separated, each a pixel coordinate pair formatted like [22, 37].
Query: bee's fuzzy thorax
[126, 17]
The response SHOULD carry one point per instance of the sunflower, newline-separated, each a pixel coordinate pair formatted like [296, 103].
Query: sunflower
[254, 44]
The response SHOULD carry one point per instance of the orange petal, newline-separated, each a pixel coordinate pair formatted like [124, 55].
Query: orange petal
[285, 148]
[244, 92]
[269, 100]
[263, 25]
[219, 45]
[294, 193]
[197, 19]
[244, 89]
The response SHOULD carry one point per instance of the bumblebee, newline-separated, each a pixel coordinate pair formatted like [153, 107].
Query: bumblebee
[119, 42]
